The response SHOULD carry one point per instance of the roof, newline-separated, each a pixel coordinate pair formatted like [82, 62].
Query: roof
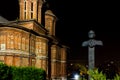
[49, 12]
[3, 20]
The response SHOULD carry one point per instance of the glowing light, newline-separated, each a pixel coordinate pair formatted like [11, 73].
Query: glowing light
[76, 76]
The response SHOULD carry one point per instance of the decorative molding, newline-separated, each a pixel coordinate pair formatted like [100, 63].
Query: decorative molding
[14, 51]
[55, 60]
[41, 57]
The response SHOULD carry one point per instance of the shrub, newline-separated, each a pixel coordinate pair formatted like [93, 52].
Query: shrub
[4, 72]
[21, 73]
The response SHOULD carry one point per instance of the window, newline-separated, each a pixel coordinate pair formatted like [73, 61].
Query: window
[23, 43]
[27, 44]
[32, 45]
[10, 41]
[24, 5]
[38, 47]
[2, 41]
[19, 42]
[31, 10]
[25, 9]
[31, 6]
[43, 48]
[48, 24]
[25, 15]
[31, 15]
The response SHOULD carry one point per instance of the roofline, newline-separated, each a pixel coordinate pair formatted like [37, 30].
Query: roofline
[23, 28]
[52, 16]
[19, 21]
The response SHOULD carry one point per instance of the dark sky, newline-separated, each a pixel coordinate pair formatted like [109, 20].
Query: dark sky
[75, 19]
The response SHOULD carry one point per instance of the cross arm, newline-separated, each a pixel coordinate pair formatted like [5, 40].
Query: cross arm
[85, 43]
[99, 43]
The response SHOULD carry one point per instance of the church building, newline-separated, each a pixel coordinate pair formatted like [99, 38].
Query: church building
[27, 42]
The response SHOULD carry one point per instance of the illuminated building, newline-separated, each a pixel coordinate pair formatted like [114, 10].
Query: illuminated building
[26, 42]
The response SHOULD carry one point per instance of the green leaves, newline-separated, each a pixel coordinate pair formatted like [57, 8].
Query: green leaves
[28, 73]
[96, 75]
[117, 77]
[21, 73]
[4, 71]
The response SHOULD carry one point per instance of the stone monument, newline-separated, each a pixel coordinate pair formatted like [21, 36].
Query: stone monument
[91, 43]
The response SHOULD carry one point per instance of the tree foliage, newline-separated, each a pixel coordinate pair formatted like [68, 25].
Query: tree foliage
[96, 75]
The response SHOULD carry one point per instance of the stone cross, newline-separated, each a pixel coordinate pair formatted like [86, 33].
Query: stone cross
[91, 43]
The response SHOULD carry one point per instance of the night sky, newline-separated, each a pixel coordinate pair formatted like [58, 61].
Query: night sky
[75, 19]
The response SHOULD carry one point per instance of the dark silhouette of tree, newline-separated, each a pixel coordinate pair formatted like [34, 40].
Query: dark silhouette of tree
[109, 69]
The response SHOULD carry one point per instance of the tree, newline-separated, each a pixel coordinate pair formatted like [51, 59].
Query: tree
[82, 70]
